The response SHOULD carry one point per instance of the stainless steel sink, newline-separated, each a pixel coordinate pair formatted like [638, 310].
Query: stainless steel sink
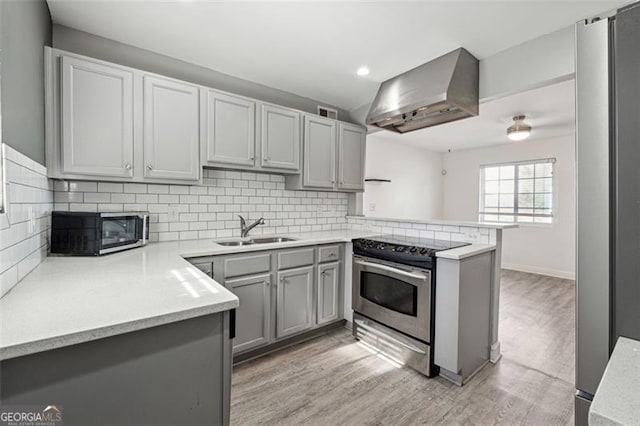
[235, 243]
[271, 240]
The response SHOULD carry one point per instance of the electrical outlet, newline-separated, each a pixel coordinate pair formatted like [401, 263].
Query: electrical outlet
[174, 213]
[372, 207]
[31, 220]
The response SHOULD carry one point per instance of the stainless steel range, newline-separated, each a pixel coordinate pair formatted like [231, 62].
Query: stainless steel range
[393, 297]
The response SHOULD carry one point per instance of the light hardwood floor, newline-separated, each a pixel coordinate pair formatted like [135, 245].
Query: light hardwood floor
[333, 380]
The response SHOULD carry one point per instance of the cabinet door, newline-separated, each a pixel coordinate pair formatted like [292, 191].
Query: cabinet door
[230, 129]
[171, 129]
[254, 313]
[319, 152]
[351, 154]
[294, 301]
[280, 138]
[97, 119]
[328, 292]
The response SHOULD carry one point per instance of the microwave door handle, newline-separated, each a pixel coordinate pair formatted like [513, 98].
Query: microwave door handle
[416, 276]
[145, 222]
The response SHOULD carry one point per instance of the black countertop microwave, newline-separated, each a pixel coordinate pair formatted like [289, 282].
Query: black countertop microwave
[95, 234]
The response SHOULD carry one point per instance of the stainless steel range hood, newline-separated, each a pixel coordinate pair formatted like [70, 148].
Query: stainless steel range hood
[440, 91]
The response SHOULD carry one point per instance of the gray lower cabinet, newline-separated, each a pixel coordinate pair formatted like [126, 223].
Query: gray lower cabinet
[294, 301]
[254, 314]
[328, 297]
[172, 374]
[282, 292]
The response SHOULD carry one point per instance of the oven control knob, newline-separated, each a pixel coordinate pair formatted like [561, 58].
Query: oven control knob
[381, 246]
[423, 251]
[413, 249]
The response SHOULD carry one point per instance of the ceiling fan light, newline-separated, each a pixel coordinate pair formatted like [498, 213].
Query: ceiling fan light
[519, 130]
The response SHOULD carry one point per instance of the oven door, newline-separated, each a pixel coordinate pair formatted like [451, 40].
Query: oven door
[394, 296]
[120, 231]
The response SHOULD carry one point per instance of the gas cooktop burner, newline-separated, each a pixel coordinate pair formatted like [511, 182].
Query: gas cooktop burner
[408, 250]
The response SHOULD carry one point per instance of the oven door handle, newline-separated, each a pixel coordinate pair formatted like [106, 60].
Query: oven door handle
[417, 276]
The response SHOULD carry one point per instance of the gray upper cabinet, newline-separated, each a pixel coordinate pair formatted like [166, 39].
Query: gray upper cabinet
[319, 152]
[333, 156]
[171, 129]
[280, 138]
[351, 155]
[294, 301]
[254, 314]
[96, 119]
[328, 292]
[230, 130]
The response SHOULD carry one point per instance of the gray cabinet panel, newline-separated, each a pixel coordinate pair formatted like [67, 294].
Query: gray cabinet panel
[246, 265]
[206, 267]
[328, 292]
[351, 155]
[295, 258]
[328, 253]
[254, 314]
[230, 129]
[280, 138]
[171, 129]
[173, 374]
[294, 301]
[97, 119]
[319, 152]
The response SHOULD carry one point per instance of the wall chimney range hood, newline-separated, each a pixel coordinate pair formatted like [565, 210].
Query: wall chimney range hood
[440, 91]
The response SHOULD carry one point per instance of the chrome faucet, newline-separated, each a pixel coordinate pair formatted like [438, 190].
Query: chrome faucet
[244, 229]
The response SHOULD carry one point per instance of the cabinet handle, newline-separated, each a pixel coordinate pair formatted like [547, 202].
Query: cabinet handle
[266, 158]
[323, 273]
[282, 280]
[252, 158]
[149, 166]
[127, 166]
[332, 254]
[267, 283]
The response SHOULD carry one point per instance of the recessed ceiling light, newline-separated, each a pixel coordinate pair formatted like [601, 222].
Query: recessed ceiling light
[362, 71]
[519, 130]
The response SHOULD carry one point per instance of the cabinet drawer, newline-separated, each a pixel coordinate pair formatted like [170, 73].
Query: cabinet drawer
[206, 267]
[247, 265]
[295, 258]
[328, 253]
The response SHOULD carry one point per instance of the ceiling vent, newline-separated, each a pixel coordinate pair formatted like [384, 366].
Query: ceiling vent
[327, 112]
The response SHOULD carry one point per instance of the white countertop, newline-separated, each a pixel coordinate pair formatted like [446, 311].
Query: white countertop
[489, 225]
[617, 400]
[70, 300]
[460, 253]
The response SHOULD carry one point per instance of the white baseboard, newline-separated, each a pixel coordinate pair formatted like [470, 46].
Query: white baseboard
[540, 271]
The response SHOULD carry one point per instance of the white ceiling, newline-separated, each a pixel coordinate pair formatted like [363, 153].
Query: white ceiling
[550, 110]
[314, 48]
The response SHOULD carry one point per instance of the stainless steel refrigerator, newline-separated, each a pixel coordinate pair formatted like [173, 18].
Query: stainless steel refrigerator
[608, 181]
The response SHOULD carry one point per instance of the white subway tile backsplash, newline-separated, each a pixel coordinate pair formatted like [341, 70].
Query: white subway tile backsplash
[23, 247]
[109, 187]
[210, 210]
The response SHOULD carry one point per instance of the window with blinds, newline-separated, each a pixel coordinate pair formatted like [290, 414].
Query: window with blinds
[517, 192]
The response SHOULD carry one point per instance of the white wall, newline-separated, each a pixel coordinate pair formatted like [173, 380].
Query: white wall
[415, 191]
[546, 249]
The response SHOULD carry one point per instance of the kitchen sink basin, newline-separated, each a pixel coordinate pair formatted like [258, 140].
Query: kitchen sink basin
[272, 240]
[265, 240]
[235, 243]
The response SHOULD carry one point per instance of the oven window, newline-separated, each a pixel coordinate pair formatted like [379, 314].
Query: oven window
[118, 231]
[389, 292]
